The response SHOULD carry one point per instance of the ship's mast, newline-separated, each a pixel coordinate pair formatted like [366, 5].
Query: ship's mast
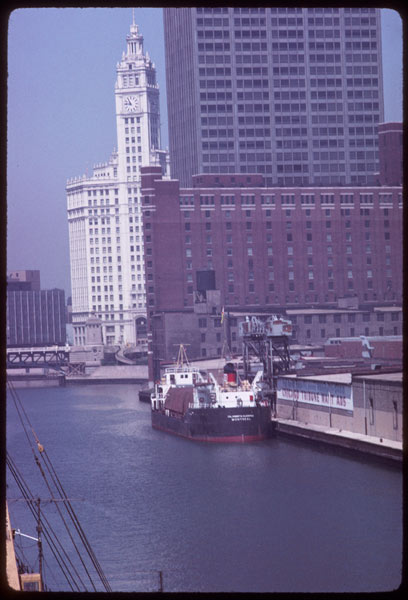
[182, 357]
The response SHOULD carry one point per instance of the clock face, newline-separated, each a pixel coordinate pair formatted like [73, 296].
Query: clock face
[130, 103]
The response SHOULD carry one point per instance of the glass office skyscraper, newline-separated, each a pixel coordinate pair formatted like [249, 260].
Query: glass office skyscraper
[293, 93]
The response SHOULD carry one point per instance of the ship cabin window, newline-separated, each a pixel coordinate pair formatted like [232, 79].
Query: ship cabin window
[172, 379]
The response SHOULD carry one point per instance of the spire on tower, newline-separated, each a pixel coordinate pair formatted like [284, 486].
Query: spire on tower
[134, 39]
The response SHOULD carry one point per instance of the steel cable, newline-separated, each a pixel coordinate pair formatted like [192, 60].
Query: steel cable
[62, 494]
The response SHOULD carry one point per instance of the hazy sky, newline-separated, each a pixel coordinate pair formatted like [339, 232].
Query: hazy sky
[61, 115]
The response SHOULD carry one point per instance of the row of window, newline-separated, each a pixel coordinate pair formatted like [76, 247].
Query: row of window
[249, 240]
[284, 11]
[368, 285]
[293, 47]
[324, 335]
[309, 249]
[365, 199]
[291, 276]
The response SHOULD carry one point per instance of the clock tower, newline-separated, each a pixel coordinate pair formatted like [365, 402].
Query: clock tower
[104, 210]
[137, 109]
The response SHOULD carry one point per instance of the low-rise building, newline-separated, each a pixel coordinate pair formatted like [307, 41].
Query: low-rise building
[367, 404]
[209, 331]
[316, 325]
[24, 279]
[383, 348]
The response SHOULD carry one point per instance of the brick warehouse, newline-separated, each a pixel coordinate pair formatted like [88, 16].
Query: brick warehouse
[269, 247]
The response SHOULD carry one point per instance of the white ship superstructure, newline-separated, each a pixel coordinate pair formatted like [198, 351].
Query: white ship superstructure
[104, 209]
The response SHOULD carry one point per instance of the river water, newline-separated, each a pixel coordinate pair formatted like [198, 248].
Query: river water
[272, 516]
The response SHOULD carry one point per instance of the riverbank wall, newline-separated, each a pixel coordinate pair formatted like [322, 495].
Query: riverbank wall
[111, 374]
[35, 378]
[337, 438]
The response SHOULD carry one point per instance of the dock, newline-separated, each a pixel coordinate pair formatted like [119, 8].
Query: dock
[39, 377]
[111, 374]
[357, 442]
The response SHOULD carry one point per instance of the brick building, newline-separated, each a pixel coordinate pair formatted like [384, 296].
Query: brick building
[318, 324]
[272, 247]
[380, 348]
[273, 250]
[390, 153]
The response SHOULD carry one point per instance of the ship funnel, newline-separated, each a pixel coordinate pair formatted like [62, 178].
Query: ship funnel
[230, 374]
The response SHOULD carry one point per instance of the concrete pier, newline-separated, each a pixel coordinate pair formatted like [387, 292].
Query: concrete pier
[92, 375]
[111, 374]
[358, 442]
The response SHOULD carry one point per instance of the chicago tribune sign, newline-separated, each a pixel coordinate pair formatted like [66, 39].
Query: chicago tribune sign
[319, 393]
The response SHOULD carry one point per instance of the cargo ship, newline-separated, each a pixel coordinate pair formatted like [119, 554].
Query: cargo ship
[191, 403]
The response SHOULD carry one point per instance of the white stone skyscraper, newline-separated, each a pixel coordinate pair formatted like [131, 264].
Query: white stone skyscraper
[104, 210]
